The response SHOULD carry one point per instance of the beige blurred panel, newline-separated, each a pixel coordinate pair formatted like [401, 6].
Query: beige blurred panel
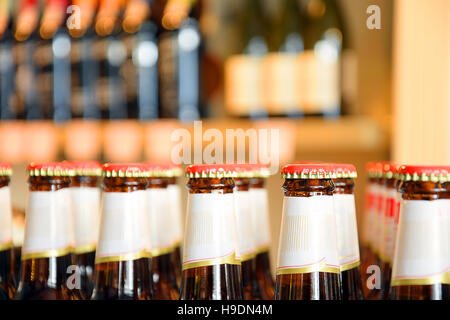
[373, 54]
[123, 141]
[421, 82]
[83, 140]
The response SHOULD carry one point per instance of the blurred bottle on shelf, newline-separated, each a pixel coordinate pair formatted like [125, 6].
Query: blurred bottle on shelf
[243, 86]
[319, 68]
[278, 74]
[179, 45]
[82, 134]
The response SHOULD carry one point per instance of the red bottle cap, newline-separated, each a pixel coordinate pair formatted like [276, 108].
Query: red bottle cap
[5, 169]
[210, 171]
[48, 169]
[86, 168]
[250, 170]
[424, 173]
[307, 171]
[164, 170]
[125, 170]
[343, 170]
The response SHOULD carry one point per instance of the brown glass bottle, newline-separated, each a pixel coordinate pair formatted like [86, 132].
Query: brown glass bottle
[387, 235]
[369, 231]
[176, 254]
[378, 229]
[216, 274]
[7, 262]
[351, 287]
[46, 257]
[163, 275]
[122, 266]
[86, 213]
[250, 283]
[308, 205]
[423, 231]
[263, 271]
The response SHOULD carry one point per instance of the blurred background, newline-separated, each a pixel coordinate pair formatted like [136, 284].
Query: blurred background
[110, 80]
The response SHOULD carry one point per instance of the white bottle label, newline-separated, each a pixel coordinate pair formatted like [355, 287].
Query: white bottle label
[347, 231]
[210, 235]
[160, 221]
[48, 224]
[86, 216]
[124, 231]
[308, 240]
[244, 225]
[422, 239]
[260, 216]
[176, 212]
[5, 219]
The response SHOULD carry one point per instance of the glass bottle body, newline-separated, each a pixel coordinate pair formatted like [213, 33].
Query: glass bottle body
[351, 287]
[85, 258]
[312, 283]
[428, 193]
[163, 268]
[123, 277]
[221, 281]
[263, 269]
[45, 275]
[248, 264]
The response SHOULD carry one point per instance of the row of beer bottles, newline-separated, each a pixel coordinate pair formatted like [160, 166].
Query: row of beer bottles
[138, 200]
[63, 226]
[316, 260]
[405, 231]
[101, 60]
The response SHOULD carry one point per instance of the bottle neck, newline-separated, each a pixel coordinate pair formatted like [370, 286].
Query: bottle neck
[124, 184]
[257, 183]
[158, 183]
[210, 185]
[308, 187]
[424, 190]
[4, 181]
[84, 181]
[344, 186]
[48, 183]
[242, 184]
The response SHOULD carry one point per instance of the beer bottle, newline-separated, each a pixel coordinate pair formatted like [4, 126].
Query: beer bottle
[122, 266]
[7, 281]
[46, 270]
[388, 227]
[177, 218]
[260, 214]
[308, 265]
[375, 206]
[347, 230]
[246, 231]
[162, 235]
[86, 215]
[367, 255]
[211, 268]
[421, 259]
